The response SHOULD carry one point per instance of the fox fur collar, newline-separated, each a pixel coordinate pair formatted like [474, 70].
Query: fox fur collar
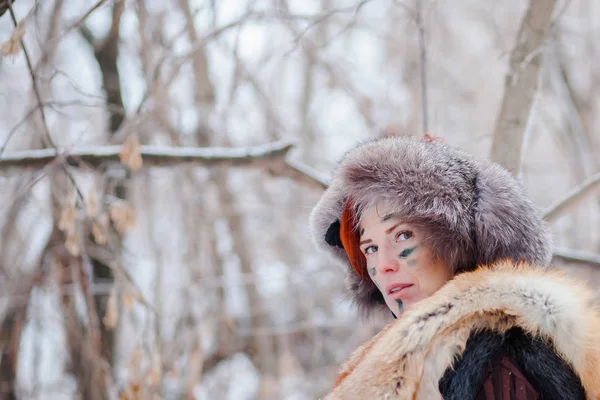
[407, 359]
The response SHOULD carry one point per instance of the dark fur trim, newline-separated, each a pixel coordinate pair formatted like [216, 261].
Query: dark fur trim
[550, 375]
[475, 211]
[332, 236]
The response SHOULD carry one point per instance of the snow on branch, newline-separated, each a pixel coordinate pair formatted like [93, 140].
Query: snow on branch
[151, 155]
[271, 156]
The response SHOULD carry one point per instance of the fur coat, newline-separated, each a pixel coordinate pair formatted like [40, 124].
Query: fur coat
[550, 318]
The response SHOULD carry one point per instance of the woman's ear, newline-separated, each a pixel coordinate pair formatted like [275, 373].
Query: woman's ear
[507, 224]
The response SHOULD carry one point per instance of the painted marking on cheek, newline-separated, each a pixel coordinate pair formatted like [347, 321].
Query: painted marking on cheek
[372, 272]
[400, 305]
[407, 252]
[411, 262]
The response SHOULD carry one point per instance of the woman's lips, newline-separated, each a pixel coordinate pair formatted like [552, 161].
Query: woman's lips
[397, 290]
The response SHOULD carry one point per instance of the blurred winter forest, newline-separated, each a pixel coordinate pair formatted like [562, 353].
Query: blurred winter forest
[159, 160]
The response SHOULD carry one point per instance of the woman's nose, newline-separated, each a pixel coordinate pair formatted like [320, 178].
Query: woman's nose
[386, 262]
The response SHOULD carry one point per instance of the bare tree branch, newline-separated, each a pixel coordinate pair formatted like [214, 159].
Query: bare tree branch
[577, 256]
[573, 198]
[422, 67]
[106, 54]
[302, 173]
[521, 85]
[152, 155]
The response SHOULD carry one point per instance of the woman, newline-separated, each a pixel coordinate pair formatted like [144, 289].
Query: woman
[456, 251]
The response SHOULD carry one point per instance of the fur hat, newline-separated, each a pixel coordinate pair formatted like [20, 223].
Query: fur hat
[474, 210]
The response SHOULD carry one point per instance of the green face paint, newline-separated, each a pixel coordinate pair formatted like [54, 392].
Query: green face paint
[372, 272]
[400, 306]
[407, 252]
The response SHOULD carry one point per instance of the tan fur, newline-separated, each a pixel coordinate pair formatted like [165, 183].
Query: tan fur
[408, 358]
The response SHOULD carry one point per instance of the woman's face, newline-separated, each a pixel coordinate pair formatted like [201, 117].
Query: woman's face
[398, 262]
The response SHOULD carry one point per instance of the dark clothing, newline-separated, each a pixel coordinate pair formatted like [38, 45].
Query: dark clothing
[502, 380]
[513, 366]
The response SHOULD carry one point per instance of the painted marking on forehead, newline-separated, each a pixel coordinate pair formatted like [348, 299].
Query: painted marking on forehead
[389, 216]
[362, 231]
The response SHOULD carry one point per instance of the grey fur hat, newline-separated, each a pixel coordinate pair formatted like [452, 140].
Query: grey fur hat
[475, 211]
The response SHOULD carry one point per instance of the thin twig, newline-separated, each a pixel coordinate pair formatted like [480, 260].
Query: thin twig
[36, 90]
[53, 105]
[81, 20]
[573, 198]
[354, 9]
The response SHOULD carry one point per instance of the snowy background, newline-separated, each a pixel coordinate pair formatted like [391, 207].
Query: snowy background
[133, 277]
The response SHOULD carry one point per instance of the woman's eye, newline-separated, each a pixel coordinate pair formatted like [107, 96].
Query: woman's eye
[370, 249]
[404, 235]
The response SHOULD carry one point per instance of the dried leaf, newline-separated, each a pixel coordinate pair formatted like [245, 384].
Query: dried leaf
[99, 237]
[103, 221]
[153, 378]
[12, 46]
[428, 138]
[128, 300]
[269, 387]
[130, 154]
[194, 369]
[67, 220]
[71, 245]
[122, 215]
[91, 204]
[288, 364]
[112, 314]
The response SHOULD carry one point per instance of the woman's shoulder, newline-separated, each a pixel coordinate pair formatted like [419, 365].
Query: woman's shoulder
[413, 353]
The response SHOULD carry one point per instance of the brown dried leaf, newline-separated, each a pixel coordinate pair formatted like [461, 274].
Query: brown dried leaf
[153, 378]
[288, 364]
[91, 204]
[122, 215]
[269, 387]
[194, 369]
[71, 245]
[112, 314]
[128, 300]
[99, 237]
[103, 221]
[130, 154]
[12, 46]
[67, 220]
